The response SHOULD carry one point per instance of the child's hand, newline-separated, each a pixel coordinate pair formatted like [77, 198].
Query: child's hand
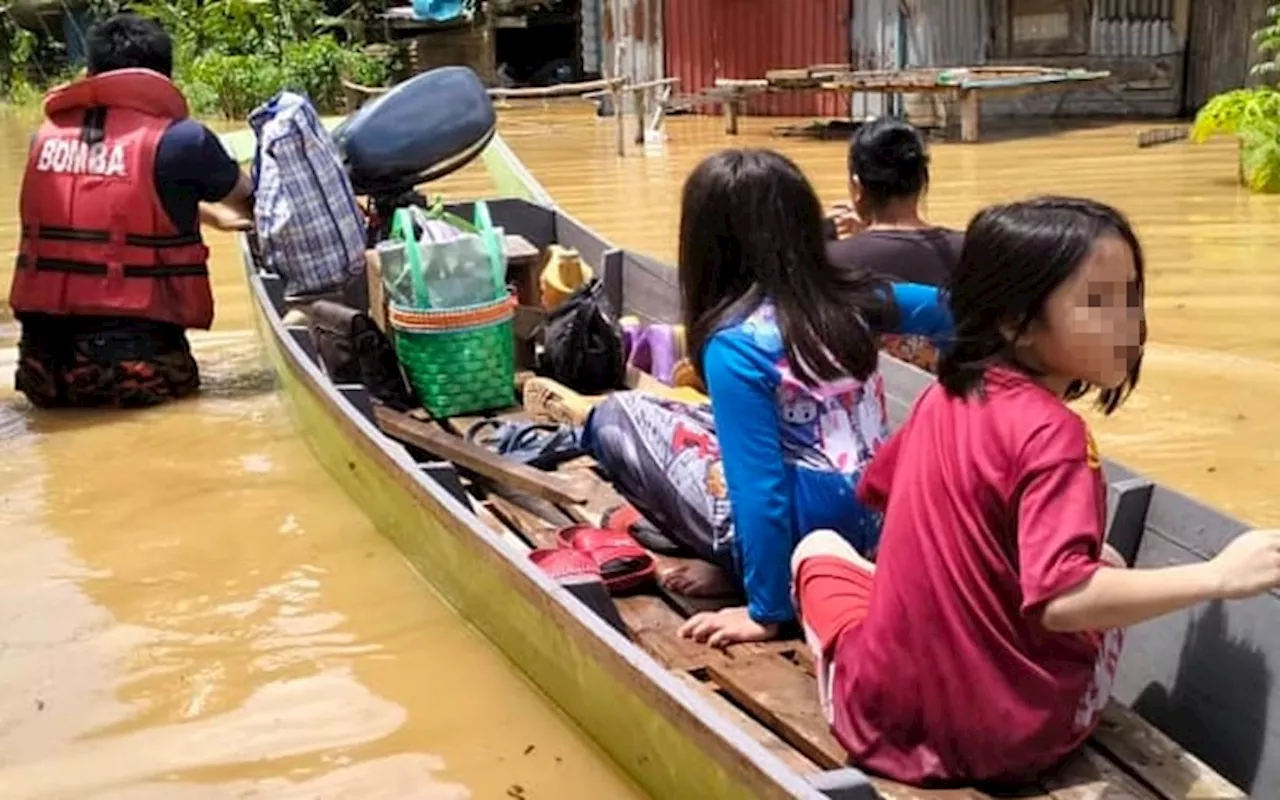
[1249, 565]
[727, 626]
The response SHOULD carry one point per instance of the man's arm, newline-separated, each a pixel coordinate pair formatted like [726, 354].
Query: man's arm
[192, 164]
[234, 212]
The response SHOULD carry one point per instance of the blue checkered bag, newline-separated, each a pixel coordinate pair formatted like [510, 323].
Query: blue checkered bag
[311, 232]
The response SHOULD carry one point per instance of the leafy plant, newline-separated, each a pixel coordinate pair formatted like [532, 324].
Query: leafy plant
[1252, 115]
[229, 55]
[18, 51]
[233, 85]
[1267, 40]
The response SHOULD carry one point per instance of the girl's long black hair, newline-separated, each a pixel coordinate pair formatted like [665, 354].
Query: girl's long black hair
[1014, 257]
[751, 230]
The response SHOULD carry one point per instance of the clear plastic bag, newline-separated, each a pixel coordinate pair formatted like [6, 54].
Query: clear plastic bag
[449, 264]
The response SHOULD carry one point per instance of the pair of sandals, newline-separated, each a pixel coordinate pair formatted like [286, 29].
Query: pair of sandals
[543, 446]
[618, 552]
[607, 553]
[586, 551]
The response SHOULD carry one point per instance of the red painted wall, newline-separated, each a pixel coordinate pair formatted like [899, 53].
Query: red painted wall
[709, 39]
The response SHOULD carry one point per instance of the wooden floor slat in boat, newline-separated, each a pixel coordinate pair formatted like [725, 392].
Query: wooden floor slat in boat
[1159, 761]
[775, 694]
[713, 695]
[441, 444]
[1089, 775]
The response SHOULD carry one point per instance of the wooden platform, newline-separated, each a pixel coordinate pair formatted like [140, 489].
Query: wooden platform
[966, 85]
[768, 689]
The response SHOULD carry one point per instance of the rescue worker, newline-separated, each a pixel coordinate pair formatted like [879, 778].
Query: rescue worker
[111, 268]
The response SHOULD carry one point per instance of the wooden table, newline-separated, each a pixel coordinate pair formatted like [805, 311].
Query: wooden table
[966, 86]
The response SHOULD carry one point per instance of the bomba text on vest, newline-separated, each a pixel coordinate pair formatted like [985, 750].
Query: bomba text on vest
[72, 156]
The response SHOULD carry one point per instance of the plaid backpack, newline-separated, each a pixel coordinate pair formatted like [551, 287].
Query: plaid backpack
[311, 232]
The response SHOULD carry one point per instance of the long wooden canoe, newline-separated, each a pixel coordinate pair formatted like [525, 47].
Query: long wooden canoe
[694, 723]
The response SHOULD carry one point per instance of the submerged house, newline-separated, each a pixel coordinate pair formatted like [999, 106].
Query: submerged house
[1166, 56]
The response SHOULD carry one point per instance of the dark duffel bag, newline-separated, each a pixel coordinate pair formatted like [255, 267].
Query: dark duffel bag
[419, 131]
[353, 350]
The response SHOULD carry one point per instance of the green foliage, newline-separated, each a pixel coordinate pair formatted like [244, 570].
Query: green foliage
[1267, 40]
[229, 55]
[1238, 112]
[234, 85]
[231, 27]
[234, 54]
[17, 46]
[1252, 115]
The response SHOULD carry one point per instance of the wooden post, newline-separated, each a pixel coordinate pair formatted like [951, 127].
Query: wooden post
[731, 110]
[970, 114]
[617, 93]
[377, 294]
[1181, 22]
[619, 118]
[638, 96]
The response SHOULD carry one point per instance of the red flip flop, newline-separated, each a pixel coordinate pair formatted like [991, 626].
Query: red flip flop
[623, 564]
[626, 519]
[566, 565]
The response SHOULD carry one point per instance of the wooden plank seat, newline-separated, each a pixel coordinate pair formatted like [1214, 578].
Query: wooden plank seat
[768, 689]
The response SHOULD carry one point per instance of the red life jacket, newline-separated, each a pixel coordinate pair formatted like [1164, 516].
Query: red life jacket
[96, 240]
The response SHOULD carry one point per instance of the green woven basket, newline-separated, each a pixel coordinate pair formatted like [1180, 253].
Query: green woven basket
[459, 360]
[461, 370]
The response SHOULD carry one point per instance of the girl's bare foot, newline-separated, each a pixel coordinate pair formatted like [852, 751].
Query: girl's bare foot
[693, 578]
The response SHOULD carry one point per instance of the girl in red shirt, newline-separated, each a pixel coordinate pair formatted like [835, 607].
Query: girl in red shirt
[982, 643]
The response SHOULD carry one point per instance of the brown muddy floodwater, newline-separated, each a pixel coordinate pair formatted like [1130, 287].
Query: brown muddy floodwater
[190, 608]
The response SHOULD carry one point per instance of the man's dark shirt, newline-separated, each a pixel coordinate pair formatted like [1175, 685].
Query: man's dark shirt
[192, 167]
[925, 255]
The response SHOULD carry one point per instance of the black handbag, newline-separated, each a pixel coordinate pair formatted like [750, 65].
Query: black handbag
[353, 350]
[582, 344]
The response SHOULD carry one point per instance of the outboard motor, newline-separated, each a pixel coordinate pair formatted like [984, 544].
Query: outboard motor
[421, 130]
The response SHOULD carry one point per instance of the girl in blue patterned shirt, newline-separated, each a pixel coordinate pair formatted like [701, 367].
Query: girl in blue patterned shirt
[787, 348]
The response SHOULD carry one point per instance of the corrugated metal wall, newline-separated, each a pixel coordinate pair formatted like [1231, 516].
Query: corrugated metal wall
[942, 33]
[1220, 50]
[632, 39]
[875, 36]
[690, 44]
[710, 39]
[947, 33]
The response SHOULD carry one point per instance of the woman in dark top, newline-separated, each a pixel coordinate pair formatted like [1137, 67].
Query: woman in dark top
[888, 172]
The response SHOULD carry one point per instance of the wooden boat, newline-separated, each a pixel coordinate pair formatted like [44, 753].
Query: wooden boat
[686, 721]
